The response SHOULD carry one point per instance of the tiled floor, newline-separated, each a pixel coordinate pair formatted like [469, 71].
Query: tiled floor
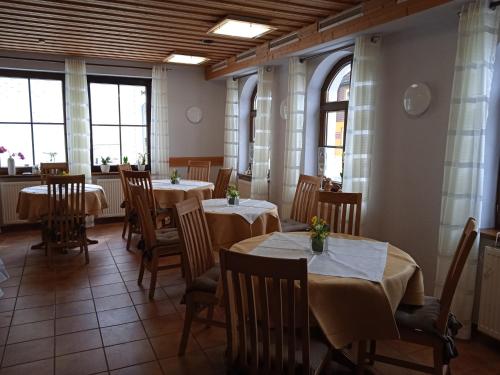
[76, 319]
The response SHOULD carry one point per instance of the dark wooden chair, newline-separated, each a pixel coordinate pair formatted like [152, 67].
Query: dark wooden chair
[342, 211]
[430, 325]
[267, 316]
[198, 170]
[303, 204]
[125, 204]
[52, 169]
[222, 182]
[64, 226]
[158, 243]
[200, 271]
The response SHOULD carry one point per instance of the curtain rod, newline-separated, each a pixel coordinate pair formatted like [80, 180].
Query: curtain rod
[243, 76]
[302, 59]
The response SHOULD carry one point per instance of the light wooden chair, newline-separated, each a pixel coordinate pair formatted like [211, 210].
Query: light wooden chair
[431, 324]
[303, 204]
[267, 316]
[158, 243]
[64, 227]
[198, 170]
[52, 169]
[342, 211]
[222, 182]
[125, 204]
[200, 271]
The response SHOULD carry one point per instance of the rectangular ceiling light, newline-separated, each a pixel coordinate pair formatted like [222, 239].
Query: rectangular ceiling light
[240, 29]
[185, 59]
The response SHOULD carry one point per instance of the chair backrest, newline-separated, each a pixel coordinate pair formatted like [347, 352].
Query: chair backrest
[198, 170]
[342, 211]
[305, 197]
[52, 169]
[141, 178]
[121, 168]
[222, 182]
[462, 252]
[262, 311]
[140, 202]
[66, 206]
[193, 230]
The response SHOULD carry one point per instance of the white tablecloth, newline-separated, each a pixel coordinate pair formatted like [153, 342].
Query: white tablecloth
[184, 185]
[248, 209]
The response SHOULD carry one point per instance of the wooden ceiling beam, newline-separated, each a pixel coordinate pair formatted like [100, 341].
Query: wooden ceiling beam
[375, 13]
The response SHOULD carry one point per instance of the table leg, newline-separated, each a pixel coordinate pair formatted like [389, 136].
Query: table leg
[92, 242]
[38, 246]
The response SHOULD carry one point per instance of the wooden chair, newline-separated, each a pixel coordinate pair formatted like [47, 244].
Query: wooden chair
[125, 204]
[342, 211]
[267, 316]
[64, 227]
[222, 182]
[431, 324]
[198, 170]
[303, 204]
[158, 243]
[52, 169]
[200, 271]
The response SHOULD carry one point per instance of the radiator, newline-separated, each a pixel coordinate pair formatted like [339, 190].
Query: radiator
[489, 307]
[114, 196]
[9, 191]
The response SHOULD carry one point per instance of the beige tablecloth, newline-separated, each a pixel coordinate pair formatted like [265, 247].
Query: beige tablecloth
[167, 194]
[350, 310]
[32, 201]
[229, 225]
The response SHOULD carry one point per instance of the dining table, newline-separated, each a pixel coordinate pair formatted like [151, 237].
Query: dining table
[168, 194]
[229, 223]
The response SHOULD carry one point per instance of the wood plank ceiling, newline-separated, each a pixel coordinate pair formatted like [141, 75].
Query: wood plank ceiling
[146, 30]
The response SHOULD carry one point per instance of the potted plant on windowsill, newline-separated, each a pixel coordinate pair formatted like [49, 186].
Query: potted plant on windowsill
[319, 231]
[233, 196]
[141, 162]
[175, 177]
[125, 160]
[105, 164]
[11, 164]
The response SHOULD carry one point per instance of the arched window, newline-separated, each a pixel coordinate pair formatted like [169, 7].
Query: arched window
[253, 114]
[333, 120]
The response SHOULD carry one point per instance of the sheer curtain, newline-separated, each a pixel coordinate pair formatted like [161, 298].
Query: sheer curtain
[77, 118]
[294, 131]
[159, 122]
[263, 134]
[361, 117]
[231, 119]
[463, 167]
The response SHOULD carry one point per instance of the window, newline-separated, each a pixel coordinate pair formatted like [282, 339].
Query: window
[120, 118]
[333, 120]
[32, 119]
[253, 115]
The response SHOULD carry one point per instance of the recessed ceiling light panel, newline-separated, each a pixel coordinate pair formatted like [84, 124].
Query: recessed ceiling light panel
[185, 59]
[240, 29]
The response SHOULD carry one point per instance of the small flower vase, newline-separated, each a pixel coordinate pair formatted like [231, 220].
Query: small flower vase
[233, 201]
[141, 167]
[11, 166]
[317, 244]
[175, 181]
[105, 168]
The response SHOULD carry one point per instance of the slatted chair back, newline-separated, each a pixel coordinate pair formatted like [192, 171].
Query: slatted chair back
[141, 204]
[198, 170]
[121, 168]
[222, 182]
[52, 169]
[66, 208]
[305, 197]
[342, 211]
[141, 178]
[195, 238]
[462, 252]
[265, 321]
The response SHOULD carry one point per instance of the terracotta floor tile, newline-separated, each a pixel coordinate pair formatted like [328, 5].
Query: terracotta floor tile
[43, 367]
[167, 346]
[102, 270]
[82, 363]
[76, 323]
[72, 295]
[30, 288]
[113, 302]
[78, 341]
[28, 351]
[208, 337]
[3, 335]
[12, 281]
[15, 271]
[129, 266]
[35, 314]
[130, 275]
[74, 308]
[111, 278]
[5, 318]
[217, 358]
[150, 368]
[108, 290]
[142, 296]
[36, 301]
[117, 316]
[9, 292]
[162, 325]
[7, 304]
[127, 258]
[31, 331]
[122, 333]
[128, 354]
[154, 309]
[191, 363]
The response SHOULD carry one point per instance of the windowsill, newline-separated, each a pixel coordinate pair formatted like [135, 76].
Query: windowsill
[105, 174]
[245, 177]
[489, 233]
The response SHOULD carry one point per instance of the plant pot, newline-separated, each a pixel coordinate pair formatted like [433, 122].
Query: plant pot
[11, 166]
[317, 244]
[233, 201]
[141, 167]
[175, 181]
[105, 168]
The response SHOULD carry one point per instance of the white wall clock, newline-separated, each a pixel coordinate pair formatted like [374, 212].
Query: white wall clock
[417, 99]
[194, 115]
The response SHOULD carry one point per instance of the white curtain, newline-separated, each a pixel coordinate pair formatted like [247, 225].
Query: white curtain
[159, 123]
[77, 118]
[231, 119]
[464, 160]
[361, 117]
[263, 134]
[294, 131]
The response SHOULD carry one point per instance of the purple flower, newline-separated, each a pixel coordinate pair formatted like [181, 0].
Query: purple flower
[21, 156]
[2, 149]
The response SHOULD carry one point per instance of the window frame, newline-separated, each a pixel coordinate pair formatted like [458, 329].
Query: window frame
[252, 116]
[120, 81]
[326, 107]
[12, 73]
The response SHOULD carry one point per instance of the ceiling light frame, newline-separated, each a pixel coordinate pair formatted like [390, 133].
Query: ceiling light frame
[173, 55]
[250, 20]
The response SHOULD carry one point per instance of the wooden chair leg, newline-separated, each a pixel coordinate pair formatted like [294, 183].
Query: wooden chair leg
[86, 249]
[188, 320]
[125, 225]
[141, 270]
[438, 361]
[360, 366]
[152, 285]
[373, 351]
[210, 315]
[129, 238]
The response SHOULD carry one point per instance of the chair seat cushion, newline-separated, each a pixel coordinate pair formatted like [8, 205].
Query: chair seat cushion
[289, 225]
[167, 236]
[207, 282]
